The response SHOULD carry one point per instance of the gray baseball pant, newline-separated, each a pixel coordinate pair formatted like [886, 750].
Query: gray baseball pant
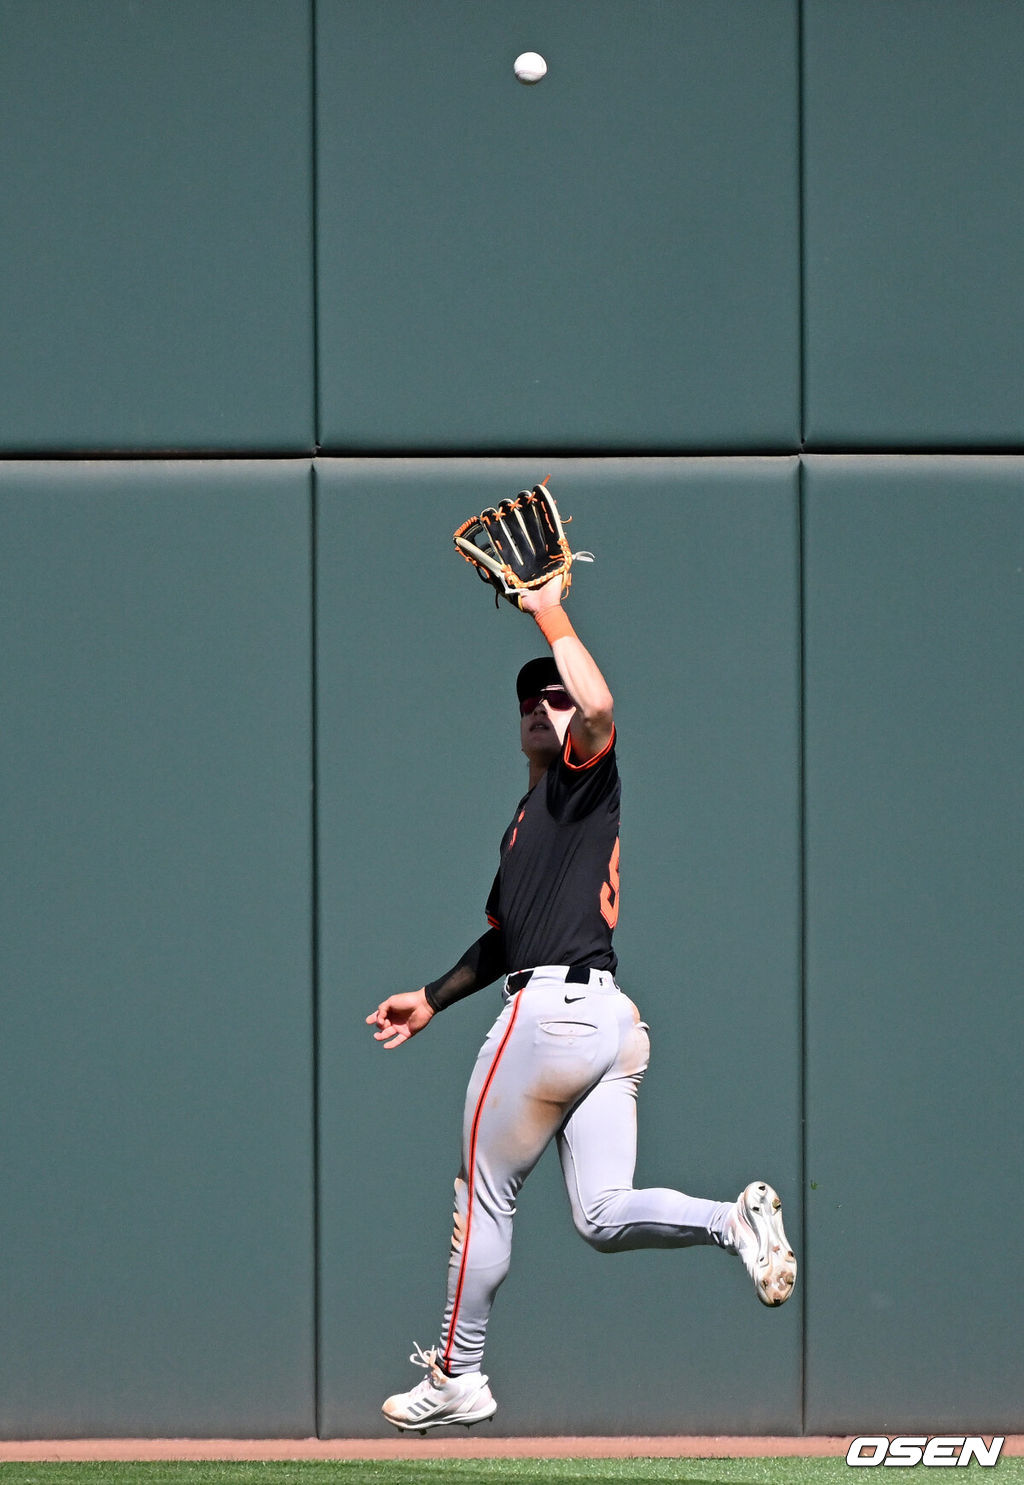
[563, 1061]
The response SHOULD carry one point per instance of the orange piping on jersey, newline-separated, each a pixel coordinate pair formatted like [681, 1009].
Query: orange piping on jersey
[515, 829]
[471, 1180]
[588, 762]
[492, 921]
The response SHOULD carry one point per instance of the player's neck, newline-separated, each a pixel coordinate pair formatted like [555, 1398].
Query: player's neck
[538, 768]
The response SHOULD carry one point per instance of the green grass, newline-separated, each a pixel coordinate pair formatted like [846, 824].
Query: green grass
[459, 1472]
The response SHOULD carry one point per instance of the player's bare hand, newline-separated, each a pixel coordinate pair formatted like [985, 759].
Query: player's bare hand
[399, 1017]
[537, 600]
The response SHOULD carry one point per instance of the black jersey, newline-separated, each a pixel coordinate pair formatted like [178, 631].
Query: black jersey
[556, 895]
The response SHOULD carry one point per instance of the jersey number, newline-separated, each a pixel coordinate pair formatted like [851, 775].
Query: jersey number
[610, 890]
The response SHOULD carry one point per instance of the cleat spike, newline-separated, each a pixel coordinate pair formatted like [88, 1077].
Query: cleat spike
[757, 1236]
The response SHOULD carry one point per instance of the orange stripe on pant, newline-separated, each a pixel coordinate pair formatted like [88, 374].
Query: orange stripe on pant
[471, 1181]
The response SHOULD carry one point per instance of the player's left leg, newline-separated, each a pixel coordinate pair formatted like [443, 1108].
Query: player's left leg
[597, 1148]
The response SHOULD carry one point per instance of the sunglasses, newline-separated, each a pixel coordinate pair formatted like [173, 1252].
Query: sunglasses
[555, 696]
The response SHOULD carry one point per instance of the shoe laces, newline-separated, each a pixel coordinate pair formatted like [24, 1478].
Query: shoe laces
[428, 1360]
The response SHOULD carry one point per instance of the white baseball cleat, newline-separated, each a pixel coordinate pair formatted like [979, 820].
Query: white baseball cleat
[756, 1234]
[439, 1400]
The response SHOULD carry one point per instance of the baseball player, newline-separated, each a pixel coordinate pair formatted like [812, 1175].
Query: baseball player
[565, 1058]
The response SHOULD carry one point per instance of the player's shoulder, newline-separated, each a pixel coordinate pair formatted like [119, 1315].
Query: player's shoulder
[604, 758]
[575, 787]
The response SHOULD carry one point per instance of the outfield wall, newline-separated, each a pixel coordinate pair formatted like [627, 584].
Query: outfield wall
[292, 289]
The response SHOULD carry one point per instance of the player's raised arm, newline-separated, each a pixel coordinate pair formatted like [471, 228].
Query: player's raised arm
[519, 546]
[593, 721]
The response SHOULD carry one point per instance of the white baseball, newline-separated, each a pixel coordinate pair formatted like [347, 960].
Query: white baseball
[530, 67]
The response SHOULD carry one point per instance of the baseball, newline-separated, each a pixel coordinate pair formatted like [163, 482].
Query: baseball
[529, 67]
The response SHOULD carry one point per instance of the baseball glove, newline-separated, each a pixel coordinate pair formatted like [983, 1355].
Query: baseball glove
[519, 545]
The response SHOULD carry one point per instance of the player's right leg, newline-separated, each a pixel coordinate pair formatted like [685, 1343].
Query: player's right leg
[538, 1060]
[454, 1378]
[535, 1064]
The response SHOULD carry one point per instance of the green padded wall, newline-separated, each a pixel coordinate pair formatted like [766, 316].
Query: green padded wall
[913, 217]
[155, 950]
[156, 171]
[609, 259]
[419, 770]
[254, 227]
[915, 878]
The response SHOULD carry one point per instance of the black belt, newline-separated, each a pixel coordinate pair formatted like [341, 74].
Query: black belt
[576, 974]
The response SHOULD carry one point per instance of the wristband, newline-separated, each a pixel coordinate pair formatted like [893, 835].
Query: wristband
[554, 624]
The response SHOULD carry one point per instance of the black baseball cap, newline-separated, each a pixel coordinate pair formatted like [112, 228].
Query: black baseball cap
[535, 675]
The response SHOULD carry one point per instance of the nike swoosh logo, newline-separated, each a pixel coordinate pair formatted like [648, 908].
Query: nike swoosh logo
[569, 999]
